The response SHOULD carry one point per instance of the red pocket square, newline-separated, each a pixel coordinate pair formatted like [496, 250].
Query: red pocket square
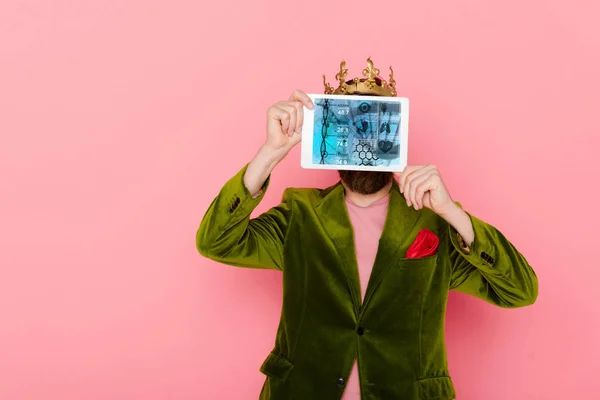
[425, 244]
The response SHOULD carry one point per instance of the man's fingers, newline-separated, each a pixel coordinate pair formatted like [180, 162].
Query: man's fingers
[296, 111]
[293, 117]
[422, 188]
[279, 116]
[296, 138]
[292, 112]
[411, 172]
[410, 189]
[427, 200]
[287, 117]
[411, 181]
[303, 98]
[299, 116]
[404, 175]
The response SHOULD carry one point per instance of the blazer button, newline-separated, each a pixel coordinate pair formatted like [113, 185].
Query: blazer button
[360, 330]
[340, 381]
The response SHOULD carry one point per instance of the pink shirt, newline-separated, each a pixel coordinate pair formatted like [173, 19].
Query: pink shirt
[367, 223]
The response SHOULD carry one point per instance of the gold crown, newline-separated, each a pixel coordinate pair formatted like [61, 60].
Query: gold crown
[371, 84]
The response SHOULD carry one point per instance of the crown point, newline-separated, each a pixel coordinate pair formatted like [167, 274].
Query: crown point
[373, 84]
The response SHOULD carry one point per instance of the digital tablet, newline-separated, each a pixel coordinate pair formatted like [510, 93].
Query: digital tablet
[355, 133]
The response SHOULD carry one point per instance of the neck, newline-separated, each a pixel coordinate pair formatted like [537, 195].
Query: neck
[364, 200]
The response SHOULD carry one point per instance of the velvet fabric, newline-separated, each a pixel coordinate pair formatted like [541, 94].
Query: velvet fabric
[397, 332]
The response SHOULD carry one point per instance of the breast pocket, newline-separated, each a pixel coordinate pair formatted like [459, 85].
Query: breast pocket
[410, 279]
[422, 261]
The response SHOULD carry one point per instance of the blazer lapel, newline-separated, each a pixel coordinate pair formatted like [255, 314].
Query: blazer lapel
[399, 223]
[333, 215]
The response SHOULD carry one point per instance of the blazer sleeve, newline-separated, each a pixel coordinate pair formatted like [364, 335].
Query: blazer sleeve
[228, 235]
[492, 269]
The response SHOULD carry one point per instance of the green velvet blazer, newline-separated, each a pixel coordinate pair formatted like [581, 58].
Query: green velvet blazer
[397, 332]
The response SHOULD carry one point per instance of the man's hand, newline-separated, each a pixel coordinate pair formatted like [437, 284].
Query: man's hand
[284, 122]
[422, 186]
[284, 131]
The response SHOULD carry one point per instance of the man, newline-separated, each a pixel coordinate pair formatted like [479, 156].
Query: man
[363, 312]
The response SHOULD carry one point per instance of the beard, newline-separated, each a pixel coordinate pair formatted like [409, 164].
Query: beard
[365, 182]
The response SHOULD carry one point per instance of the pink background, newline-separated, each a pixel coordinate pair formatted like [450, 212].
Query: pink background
[114, 117]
